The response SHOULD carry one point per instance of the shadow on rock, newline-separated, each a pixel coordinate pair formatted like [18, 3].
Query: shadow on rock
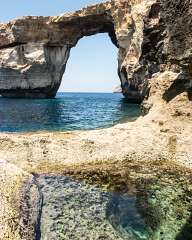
[186, 232]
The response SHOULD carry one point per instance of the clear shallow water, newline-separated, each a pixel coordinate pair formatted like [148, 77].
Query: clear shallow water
[75, 210]
[68, 111]
[149, 207]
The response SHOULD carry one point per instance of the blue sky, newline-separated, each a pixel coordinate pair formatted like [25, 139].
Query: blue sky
[92, 66]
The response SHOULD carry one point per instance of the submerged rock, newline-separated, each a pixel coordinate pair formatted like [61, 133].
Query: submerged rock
[73, 210]
[113, 201]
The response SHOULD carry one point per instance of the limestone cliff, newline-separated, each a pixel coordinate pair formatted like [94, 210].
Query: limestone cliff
[152, 37]
[34, 50]
[117, 89]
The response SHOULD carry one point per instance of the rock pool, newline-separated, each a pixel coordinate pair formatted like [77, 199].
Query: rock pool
[116, 201]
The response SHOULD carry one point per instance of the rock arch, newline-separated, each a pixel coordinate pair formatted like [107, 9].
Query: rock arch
[34, 50]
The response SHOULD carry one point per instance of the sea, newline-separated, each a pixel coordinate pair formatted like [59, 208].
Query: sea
[66, 112]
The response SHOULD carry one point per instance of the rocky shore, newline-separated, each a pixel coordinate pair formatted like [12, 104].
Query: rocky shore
[149, 159]
[148, 147]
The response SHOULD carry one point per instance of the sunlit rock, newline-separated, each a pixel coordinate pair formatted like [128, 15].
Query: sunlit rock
[34, 50]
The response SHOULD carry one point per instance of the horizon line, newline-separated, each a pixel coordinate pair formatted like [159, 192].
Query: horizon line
[83, 92]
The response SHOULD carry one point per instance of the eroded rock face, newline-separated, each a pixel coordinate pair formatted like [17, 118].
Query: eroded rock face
[34, 50]
[152, 37]
[32, 70]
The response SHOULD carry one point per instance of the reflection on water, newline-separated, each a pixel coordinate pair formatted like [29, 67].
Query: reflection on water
[69, 111]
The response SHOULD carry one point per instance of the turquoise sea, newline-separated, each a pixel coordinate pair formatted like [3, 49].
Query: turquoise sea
[68, 111]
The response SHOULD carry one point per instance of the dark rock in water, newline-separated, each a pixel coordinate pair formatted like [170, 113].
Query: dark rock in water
[137, 206]
[75, 210]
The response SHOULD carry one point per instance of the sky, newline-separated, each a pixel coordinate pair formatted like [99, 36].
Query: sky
[92, 66]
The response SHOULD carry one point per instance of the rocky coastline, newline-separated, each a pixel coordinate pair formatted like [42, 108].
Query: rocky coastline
[152, 155]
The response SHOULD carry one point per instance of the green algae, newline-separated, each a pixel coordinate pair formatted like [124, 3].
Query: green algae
[162, 192]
